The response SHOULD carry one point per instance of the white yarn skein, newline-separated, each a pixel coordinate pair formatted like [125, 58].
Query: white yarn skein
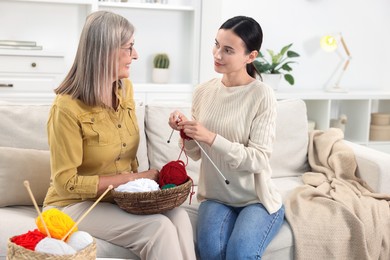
[54, 246]
[79, 240]
[138, 185]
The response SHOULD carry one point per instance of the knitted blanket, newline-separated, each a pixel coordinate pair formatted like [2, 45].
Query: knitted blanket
[335, 215]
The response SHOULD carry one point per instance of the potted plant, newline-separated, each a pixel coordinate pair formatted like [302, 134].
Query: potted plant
[278, 65]
[160, 68]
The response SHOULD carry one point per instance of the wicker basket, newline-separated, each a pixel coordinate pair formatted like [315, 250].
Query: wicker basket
[16, 252]
[153, 202]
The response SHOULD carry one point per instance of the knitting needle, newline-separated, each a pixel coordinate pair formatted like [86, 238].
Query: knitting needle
[173, 130]
[169, 139]
[86, 213]
[215, 166]
[220, 173]
[27, 185]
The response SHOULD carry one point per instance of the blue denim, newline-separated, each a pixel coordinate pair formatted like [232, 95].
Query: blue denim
[225, 232]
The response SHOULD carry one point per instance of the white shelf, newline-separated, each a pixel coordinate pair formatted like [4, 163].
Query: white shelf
[11, 52]
[356, 105]
[78, 2]
[150, 6]
[323, 95]
[152, 87]
[163, 92]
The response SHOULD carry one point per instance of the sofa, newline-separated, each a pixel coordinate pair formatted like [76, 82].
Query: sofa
[24, 156]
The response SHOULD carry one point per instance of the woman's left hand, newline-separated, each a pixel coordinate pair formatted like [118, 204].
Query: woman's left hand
[197, 131]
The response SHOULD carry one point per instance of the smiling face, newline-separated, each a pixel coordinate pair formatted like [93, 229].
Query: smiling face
[127, 54]
[230, 54]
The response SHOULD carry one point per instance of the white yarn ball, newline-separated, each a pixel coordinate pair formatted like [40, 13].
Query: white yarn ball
[54, 246]
[80, 240]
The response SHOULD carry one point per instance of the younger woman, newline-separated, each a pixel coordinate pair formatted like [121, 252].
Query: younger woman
[233, 120]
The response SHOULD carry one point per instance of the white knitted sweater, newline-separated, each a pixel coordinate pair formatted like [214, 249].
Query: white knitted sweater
[243, 118]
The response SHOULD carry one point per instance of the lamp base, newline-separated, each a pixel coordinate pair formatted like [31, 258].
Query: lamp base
[336, 89]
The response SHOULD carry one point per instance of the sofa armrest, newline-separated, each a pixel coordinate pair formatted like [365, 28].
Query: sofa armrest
[373, 167]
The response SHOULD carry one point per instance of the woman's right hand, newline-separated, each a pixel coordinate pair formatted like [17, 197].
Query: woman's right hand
[176, 117]
[124, 177]
[149, 174]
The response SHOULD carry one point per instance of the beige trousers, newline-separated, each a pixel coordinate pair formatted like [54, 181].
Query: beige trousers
[158, 236]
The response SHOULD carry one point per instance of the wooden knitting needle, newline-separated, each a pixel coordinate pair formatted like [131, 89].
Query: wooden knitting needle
[27, 185]
[86, 213]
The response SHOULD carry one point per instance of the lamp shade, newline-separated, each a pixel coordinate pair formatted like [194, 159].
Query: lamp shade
[328, 43]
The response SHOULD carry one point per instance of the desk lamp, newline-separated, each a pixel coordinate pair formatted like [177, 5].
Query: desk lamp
[330, 43]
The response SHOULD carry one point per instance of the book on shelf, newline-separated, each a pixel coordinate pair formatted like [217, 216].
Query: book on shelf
[21, 47]
[17, 43]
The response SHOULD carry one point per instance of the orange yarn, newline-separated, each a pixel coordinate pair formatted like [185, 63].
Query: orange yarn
[58, 223]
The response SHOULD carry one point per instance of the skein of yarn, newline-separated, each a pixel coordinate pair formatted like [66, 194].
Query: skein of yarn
[29, 240]
[54, 246]
[173, 172]
[58, 223]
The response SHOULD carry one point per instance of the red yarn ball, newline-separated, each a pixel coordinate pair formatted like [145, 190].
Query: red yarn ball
[173, 173]
[29, 240]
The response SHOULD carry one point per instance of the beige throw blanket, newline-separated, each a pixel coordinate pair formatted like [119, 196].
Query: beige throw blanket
[335, 215]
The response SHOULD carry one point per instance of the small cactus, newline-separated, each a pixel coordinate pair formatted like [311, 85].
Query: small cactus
[161, 61]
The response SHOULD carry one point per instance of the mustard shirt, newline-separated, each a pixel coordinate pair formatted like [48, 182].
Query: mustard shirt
[88, 142]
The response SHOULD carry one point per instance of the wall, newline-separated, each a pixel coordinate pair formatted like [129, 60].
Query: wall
[364, 24]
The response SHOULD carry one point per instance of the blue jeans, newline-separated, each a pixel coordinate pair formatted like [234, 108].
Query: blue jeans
[225, 232]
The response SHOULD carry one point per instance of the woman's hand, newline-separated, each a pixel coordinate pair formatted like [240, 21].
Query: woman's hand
[149, 174]
[197, 131]
[176, 117]
[124, 177]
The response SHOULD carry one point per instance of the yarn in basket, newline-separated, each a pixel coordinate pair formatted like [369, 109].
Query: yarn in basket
[29, 240]
[173, 172]
[57, 222]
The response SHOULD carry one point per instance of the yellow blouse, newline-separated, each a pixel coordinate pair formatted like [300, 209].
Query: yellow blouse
[88, 142]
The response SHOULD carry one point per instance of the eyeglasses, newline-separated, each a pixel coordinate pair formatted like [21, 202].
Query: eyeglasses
[129, 49]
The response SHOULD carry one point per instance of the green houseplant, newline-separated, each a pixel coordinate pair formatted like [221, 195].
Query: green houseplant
[160, 72]
[279, 63]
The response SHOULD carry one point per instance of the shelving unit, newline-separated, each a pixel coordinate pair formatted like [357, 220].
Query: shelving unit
[356, 105]
[25, 72]
[173, 28]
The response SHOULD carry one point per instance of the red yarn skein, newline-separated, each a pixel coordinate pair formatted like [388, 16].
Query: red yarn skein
[29, 240]
[173, 172]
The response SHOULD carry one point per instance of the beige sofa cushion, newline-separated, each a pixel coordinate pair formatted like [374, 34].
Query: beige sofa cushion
[18, 165]
[289, 156]
[142, 153]
[24, 126]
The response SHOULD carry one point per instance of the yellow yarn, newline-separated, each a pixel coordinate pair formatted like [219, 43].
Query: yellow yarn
[58, 223]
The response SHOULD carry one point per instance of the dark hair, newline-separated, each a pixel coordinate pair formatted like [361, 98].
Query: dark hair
[251, 34]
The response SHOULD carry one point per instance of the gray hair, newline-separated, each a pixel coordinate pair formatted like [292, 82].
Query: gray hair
[90, 78]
